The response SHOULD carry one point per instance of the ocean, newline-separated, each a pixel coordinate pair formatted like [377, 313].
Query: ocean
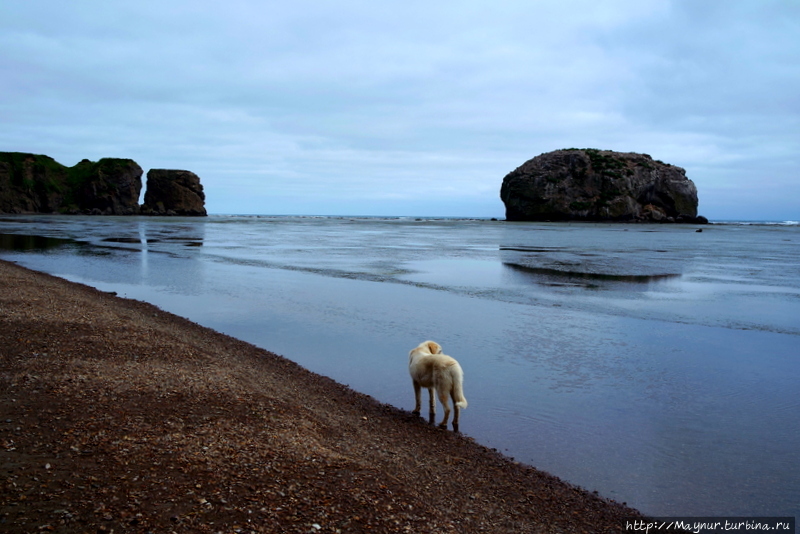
[658, 365]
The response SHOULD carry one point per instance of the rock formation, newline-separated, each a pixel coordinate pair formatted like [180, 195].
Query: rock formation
[31, 183]
[599, 185]
[108, 187]
[173, 192]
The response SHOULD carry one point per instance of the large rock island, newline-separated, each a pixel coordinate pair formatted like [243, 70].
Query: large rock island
[599, 185]
[32, 183]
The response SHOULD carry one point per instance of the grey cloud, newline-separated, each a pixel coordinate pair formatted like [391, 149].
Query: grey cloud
[357, 100]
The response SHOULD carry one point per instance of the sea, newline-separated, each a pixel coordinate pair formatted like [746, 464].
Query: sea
[658, 365]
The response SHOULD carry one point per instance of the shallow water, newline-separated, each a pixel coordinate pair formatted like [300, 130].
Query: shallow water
[654, 364]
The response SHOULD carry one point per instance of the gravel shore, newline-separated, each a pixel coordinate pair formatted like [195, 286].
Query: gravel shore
[116, 416]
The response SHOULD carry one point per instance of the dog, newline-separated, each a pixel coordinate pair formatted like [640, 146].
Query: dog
[431, 369]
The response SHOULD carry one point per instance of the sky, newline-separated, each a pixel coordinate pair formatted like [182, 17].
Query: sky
[415, 108]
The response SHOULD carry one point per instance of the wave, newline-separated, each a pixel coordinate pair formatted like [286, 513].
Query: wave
[757, 223]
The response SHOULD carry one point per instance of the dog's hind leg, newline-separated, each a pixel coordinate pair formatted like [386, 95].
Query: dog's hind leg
[417, 399]
[431, 406]
[443, 394]
[456, 411]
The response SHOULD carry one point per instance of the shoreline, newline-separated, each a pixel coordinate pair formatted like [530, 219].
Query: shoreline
[118, 416]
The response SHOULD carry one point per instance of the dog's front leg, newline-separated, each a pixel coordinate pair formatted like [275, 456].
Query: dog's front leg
[418, 400]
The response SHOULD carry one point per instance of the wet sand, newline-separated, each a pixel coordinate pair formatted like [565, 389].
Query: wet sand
[117, 416]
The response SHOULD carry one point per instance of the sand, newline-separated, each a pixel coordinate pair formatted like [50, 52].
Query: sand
[116, 416]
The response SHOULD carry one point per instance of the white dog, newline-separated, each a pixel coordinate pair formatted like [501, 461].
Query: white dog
[431, 369]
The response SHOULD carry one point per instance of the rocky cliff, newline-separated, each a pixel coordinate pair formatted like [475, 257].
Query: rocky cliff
[108, 187]
[173, 192]
[599, 185]
[31, 183]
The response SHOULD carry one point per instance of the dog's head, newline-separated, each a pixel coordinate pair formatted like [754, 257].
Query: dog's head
[432, 347]
[424, 349]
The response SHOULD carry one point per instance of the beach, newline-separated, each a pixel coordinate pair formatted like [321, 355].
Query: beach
[118, 416]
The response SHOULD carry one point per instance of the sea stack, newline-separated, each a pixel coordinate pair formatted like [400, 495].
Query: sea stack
[109, 187]
[599, 185]
[173, 192]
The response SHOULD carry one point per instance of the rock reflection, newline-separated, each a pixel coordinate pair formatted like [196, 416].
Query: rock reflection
[549, 275]
[19, 243]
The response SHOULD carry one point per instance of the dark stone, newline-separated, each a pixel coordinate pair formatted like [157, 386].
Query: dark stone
[31, 183]
[173, 192]
[109, 187]
[599, 185]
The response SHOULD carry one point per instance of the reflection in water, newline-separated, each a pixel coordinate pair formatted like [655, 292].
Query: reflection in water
[118, 239]
[136, 240]
[145, 233]
[19, 243]
[145, 264]
[598, 267]
[550, 274]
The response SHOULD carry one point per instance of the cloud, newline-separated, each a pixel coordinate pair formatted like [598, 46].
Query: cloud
[337, 105]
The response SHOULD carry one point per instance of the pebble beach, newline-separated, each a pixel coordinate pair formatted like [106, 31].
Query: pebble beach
[116, 416]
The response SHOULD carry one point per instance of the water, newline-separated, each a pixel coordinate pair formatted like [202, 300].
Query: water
[655, 364]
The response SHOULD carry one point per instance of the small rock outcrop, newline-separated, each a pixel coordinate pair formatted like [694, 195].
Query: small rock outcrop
[173, 192]
[31, 183]
[599, 185]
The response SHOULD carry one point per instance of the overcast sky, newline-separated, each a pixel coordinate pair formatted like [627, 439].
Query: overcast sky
[414, 108]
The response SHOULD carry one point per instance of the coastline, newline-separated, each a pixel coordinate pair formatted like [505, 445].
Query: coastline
[118, 416]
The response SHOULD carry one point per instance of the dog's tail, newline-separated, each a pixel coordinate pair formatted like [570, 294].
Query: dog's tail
[458, 390]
